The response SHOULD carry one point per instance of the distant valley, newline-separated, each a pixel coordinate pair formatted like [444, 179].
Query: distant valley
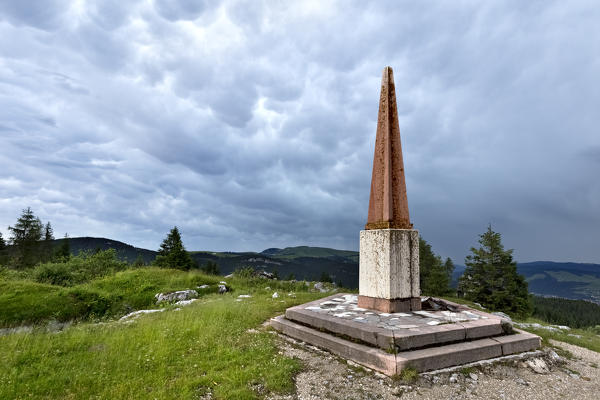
[545, 278]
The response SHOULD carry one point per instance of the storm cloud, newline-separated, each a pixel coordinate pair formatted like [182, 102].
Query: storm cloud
[251, 124]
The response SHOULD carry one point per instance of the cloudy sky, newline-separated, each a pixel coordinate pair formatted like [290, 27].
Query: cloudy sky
[251, 124]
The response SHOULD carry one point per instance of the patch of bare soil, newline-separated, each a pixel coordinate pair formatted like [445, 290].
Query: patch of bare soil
[543, 375]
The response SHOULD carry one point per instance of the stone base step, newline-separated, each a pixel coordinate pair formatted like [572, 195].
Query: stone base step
[435, 357]
[401, 339]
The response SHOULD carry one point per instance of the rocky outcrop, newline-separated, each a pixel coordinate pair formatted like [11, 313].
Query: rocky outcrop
[176, 296]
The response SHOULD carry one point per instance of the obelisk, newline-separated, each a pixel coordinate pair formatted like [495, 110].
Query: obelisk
[389, 247]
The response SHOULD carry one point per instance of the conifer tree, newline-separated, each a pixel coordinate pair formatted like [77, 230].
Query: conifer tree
[491, 277]
[63, 252]
[172, 253]
[25, 237]
[3, 251]
[47, 245]
[211, 268]
[435, 276]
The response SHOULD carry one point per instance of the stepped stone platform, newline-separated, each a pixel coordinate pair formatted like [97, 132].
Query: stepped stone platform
[441, 335]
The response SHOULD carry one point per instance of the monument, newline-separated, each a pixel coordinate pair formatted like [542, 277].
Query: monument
[388, 326]
[389, 247]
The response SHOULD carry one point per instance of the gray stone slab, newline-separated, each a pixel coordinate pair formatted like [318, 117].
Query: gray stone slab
[427, 359]
[519, 342]
[371, 357]
[449, 355]
[482, 328]
[339, 314]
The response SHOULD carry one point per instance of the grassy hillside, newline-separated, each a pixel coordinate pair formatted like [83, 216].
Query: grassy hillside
[203, 348]
[568, 280]
[311, 252]
[25, 302]
[125, 251]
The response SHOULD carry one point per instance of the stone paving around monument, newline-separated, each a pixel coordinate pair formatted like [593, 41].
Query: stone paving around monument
[345, 307]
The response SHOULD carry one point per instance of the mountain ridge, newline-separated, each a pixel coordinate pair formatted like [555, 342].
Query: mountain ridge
[579, 281]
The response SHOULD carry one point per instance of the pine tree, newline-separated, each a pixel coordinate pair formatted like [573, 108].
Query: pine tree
[3, 251]
[25, 238]
[211, 268]
[47, 245]
[325, 277]
[172, 253]
[434, 276]
[491, 277]
[63, 252]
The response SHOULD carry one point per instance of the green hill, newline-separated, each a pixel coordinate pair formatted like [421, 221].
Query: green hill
[569, 280]
[314, 252]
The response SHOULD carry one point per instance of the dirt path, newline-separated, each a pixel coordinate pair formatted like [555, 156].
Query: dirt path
[328, 377]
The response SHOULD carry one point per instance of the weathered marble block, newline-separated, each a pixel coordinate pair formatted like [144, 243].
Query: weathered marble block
[389, 264]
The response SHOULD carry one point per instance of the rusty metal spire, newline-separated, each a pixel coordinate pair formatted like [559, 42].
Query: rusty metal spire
[388, 206]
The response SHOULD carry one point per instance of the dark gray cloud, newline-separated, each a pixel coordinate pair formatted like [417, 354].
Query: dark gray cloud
[251, 124]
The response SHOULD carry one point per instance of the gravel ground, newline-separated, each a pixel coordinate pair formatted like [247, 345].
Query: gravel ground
[326, 376]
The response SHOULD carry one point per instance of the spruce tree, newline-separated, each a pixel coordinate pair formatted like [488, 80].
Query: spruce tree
[25, 238]
[211, 268]
[491, 277]
[434, 275]
[3, 251]
[47, 245]
[63, 252]
[172, 253]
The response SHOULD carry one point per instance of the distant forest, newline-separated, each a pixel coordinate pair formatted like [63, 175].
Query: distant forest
[573, 313]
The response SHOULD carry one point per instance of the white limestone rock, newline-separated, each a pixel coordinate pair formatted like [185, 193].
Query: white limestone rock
[176, 296]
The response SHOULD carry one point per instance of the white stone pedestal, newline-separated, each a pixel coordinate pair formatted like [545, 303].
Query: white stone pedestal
[389, 270]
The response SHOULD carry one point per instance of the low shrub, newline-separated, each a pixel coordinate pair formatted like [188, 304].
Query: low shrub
[79, 269]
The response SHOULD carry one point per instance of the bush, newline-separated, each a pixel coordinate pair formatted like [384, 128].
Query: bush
[246, 272]
[54, 274]
[79, 269]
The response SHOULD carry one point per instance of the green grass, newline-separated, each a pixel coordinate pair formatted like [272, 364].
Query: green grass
[588, 339]
[26, 302]
[204, 347]
[408, 375]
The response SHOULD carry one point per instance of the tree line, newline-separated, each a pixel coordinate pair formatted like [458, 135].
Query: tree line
[490, 277]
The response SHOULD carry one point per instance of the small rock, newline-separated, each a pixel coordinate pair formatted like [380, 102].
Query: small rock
[203, 287]
[136, 314]
[275, 295]
[473, 376]
[320, 287]
[268, 288]
[244, 296]
[522, 381]
[223, 283]
[538, 366]
[223, 289]
[453, 378]
[554, 356]
[185, 302]
[265, 275]
[480, 306]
